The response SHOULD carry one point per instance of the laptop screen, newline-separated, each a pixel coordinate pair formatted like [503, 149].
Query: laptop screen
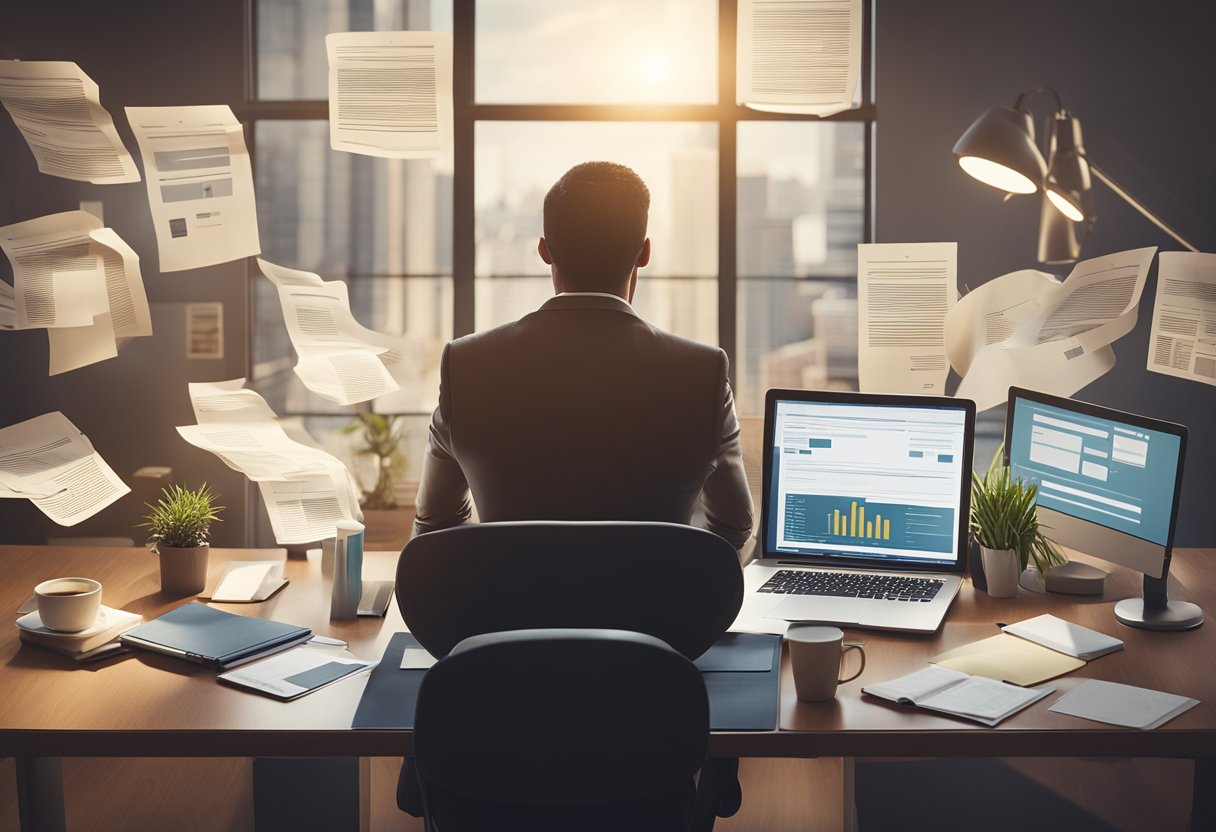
[871, 480]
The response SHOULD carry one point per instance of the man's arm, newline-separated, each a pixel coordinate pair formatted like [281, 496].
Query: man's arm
[443, 492]
[725, 497]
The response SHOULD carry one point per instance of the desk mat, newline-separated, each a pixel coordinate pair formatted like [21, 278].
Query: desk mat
[738, 701]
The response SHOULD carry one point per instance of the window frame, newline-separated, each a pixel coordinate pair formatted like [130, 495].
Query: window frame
[726, 114]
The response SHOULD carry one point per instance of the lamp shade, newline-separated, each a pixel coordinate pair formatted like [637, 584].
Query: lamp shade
[1068, 182]
[1058, 241]
[999, 150]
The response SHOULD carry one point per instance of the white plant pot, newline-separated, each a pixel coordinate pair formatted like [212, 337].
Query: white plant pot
[1001, 571]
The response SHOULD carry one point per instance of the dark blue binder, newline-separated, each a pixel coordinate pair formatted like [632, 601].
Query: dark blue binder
[213, 637]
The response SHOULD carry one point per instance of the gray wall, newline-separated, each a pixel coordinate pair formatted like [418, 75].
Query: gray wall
[139, 53]
[1140, 77]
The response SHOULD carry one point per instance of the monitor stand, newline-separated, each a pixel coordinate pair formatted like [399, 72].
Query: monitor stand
[1155, 611]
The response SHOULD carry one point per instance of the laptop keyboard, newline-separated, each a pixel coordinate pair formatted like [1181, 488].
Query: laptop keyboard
[853, 585]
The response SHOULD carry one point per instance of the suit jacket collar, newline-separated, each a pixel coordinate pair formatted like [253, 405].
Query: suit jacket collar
[559, 303]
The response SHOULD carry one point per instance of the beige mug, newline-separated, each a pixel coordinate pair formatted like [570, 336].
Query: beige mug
[68, 605]
[816, 653]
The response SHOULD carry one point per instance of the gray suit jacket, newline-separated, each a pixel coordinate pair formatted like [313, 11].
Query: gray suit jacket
[583, 411]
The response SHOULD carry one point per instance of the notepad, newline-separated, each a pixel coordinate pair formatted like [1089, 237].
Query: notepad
[295, 673]
[248, 582]
[951, 692]
[1125, 705]
[1065, 637]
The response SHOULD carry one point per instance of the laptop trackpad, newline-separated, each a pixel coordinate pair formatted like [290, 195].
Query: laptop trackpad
[818, 608]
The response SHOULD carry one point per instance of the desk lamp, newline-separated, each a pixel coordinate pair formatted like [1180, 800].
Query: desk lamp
[999, 149]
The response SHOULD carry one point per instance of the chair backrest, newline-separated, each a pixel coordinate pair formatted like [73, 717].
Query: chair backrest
[677, 583]
[560, 728]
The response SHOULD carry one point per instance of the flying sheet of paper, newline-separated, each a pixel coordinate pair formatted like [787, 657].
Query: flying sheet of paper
[390, 93]
[798, 56]
[8, 307]
[79, 281]
[1027, 329]
[339, 359]
[48, 461]
[58, 110]
[306, 489]
[1183, 338]
[904, 291]
[200, 184]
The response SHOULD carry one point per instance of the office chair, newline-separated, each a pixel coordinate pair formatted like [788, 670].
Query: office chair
[676, 583]
[560, 729]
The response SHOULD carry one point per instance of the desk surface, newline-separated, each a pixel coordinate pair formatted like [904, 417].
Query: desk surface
[151, 705]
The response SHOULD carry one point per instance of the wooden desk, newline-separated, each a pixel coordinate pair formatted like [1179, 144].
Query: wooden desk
[152, 705]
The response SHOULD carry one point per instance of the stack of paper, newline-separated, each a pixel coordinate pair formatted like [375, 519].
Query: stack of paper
[95, 641]
[306, 490]
[247, 582]
[950, 692]
[339, 358]
[1124, 705]
[49, 462]
[78, 281]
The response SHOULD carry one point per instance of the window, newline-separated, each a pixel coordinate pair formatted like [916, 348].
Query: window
[763, 265]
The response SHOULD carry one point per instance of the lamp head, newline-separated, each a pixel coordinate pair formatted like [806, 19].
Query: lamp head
[1068, 182]
[999, 150]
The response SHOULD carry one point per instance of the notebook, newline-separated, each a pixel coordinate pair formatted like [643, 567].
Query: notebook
[863, 511]
[1065, 637]
[949, 692]
[214, 638]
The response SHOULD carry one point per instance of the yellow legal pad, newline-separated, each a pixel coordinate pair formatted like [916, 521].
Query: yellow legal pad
[1007, 658]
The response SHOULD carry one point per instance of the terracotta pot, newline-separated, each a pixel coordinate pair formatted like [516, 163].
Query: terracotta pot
[182, 571]
[1001, 570]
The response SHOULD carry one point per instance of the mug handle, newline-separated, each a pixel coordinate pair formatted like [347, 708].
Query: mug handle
[853, 645]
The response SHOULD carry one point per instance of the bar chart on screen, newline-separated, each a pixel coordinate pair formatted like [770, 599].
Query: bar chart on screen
[821, 518]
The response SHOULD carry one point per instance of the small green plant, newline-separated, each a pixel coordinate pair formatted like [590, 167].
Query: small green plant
[182, 518]
[1003, 517]
[381, 436]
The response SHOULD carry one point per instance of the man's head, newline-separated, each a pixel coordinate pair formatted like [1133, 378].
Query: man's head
[595, 229]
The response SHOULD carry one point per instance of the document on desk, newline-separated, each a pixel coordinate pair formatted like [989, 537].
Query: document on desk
[1065, 637]
[306, 489]
[799, 57]
[1004, 658]
[951, 692]
[904, 291]
[297, 672]
[79, 281]
[390, 93]
[200, 184]
[1124, 705]
[1183, 337]
[339, 358]
[49, 462]
[57, 108]
[1028, 329]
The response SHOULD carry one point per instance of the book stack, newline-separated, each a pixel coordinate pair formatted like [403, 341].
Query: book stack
[94, 642]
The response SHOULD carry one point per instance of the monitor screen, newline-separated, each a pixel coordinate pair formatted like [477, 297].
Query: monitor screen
[867, 482]
[1096, 468]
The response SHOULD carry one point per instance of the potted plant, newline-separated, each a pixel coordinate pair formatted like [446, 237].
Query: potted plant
[379, 458]
[1005, 525]
[179, 526]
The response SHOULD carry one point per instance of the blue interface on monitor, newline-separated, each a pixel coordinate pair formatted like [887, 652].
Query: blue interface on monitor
[1099, 470]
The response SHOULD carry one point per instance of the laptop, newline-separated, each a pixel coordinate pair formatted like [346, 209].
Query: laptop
[863, 513]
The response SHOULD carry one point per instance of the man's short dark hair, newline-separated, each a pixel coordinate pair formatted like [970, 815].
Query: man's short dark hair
[595, 224]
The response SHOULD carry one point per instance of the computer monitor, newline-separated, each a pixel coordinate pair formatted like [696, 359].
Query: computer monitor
[1108, 485]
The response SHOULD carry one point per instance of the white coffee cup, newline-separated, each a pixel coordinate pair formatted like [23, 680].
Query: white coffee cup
[68, 605]
[816, 653]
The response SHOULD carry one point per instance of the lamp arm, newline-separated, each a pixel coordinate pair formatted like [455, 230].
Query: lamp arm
[1132, 201]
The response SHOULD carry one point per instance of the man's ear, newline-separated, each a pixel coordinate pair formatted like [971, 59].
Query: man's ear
[643, 255]
[542, 248]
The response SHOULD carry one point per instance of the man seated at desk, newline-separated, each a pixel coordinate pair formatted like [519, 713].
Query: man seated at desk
[581, 410]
